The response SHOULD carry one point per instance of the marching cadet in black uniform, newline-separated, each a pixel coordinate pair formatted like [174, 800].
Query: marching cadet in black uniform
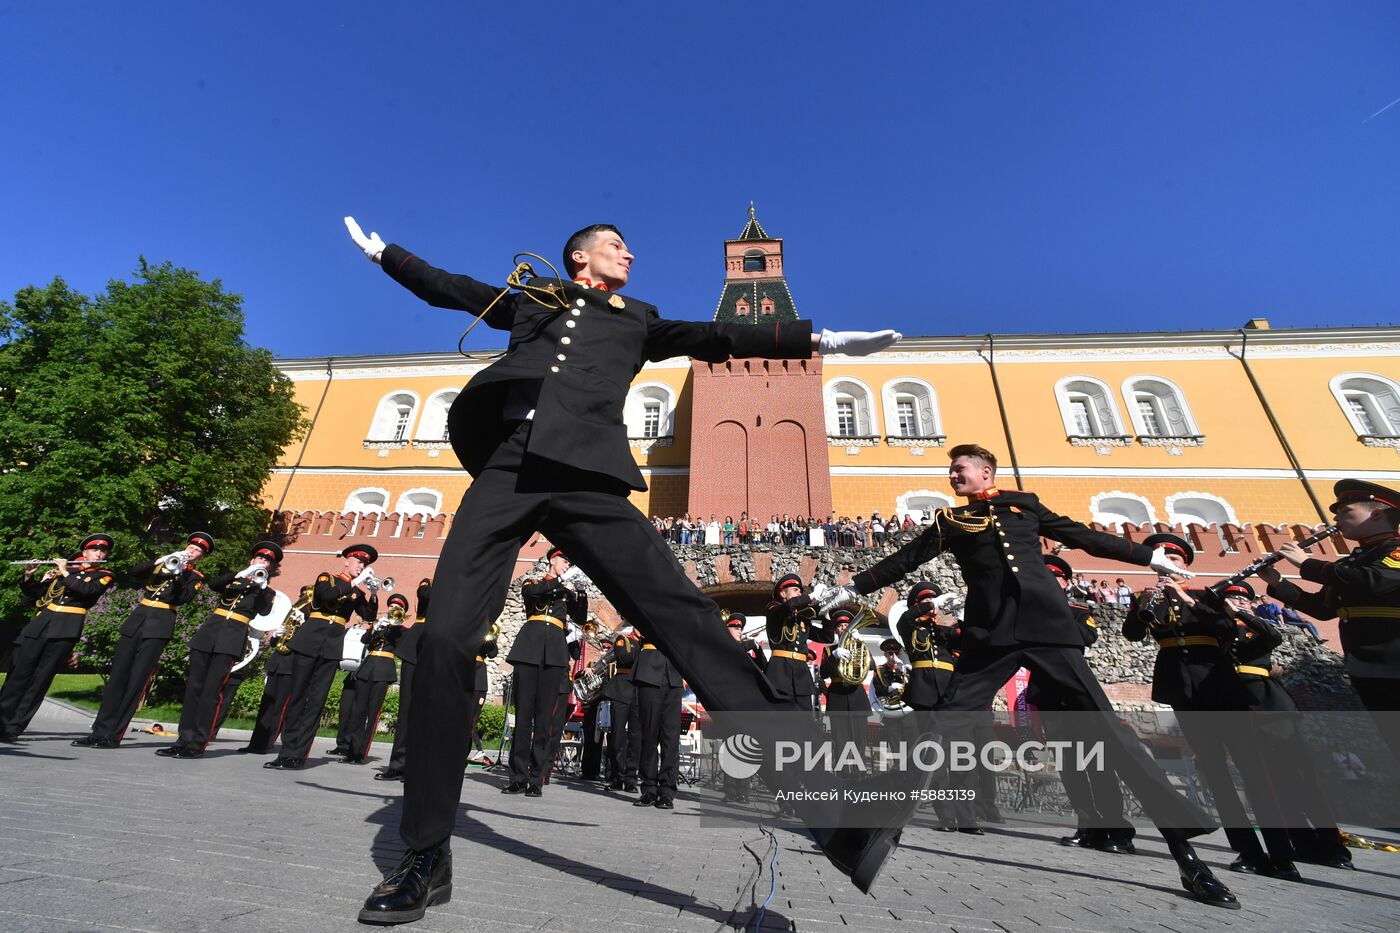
[792, 622]
[624, 731]
[63, 597]
[1195, 674]
[277, 683]
[1285, 761]
[372, 679]
[891, 678]
[540, 658]
[1362, 589]
[1094, 794]
[217, 645]
[169, 582]
[735, 789]
[1016, 616]
[541, 432]
[407, 651]
[234, 681]
[847, 704]
[319, 645]
[659, 691]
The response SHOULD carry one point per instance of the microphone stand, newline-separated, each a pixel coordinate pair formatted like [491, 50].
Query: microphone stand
[507, 689]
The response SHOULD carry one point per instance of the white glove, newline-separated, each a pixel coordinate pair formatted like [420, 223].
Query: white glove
[246, 571]
[842, 597]
[372, 245]
[361, 577]
[856, 342]
[841, 653]
[573, 635]
[1163, 565]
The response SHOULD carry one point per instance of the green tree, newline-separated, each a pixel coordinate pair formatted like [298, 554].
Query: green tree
[141, 411]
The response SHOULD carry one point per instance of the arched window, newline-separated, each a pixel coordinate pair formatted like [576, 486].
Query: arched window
[1158, 408]
[1087, 408]
[1199, 508]
[1371, 404]
[424, 502]
[393, 417]
[920, 504]
[766, 305]
[433, 425]
[369, 503]
[650, 411]
[741, 307]
[1116, 509]
[849, 412]
[755, 261]
[911, 409]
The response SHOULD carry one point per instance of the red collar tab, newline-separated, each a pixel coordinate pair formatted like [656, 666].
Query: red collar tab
[344, 576]
[1372, 540]
[589, 283]
[991, 492]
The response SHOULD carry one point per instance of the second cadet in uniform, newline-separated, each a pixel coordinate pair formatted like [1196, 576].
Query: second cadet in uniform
[407, 652]
[373, 678]
[847, 702]
[624, 730]
[277, 682]
[791, 624]
[659, 691]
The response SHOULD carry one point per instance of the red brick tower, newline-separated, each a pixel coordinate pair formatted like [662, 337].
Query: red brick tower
[758, 432]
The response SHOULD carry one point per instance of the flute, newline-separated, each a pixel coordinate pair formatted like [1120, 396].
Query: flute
[1268, 560]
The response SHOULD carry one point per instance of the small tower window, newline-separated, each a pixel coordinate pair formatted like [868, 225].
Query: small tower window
[755, 261]
[741, 307]
[766, 306]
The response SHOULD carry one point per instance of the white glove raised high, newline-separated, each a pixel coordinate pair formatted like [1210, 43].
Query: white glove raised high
[856, 342]
[1163, 565]
[371, 245]
[842, 597]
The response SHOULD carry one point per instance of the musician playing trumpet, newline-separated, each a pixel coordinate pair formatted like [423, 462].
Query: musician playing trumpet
[168, 583]
[319, 645]
[217, 645]
[372, 679]
[62, 597]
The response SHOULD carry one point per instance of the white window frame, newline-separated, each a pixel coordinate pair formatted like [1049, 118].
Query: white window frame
[363, 527]
[1089, 387]
[634, 409]
[1096, 510]
[1176, 518]
[925, 407]
[902, 505]
[383, 423]
[1390, 415]
[431, 427]
[859, 393]
[405, 507]
[1135, 384]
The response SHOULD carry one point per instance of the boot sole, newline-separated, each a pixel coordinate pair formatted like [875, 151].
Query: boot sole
[873, 859]
[436, 896]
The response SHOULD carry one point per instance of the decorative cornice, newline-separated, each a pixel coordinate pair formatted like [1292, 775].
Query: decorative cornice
[648, 444]
[835, 440]
[371, 444]
[1377, 440]
[431, 445]
[936, 440]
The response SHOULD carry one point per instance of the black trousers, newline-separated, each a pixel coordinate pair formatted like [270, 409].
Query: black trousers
[347, 721]
[311, 684]
[659, 709]
[32, 670]
[1094, 794]
[1382, 695]
[536, 698]
[621, 552]
[133, 666]
[559, 716]
[399, 753]
[231, 684]
[624, 741]
[1211, 747]
[368, 703]
[204, 697]
[846, 716]
[1063, 670]
[272, 711]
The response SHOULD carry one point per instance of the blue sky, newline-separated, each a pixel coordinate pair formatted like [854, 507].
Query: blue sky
[939, 168]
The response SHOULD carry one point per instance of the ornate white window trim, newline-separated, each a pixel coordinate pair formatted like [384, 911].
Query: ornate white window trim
[936, 440]
[1176, 519]
[1377, 440]
[419, 444]
[647, 444]
[371, 444]
[1096, 501]
[837, 440]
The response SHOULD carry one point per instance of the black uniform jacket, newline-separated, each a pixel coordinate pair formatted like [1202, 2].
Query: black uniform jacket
[841, 696]
[333, 598]
[77, 591]
[622, 657]
[1253, 651]
[886, 677]
[1089, 628]
[407, 645]
[543, 643]
[1186, 675]
[378, 664]
[581, 360]
[1011, 595]
[487, 651]
[219, 634]
[755, 653]
[654, 669]
[160, 587]
[791, 624]
[930, 649]
[1363, 590]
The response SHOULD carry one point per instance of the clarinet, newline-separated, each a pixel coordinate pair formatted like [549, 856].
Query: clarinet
[1268, 560]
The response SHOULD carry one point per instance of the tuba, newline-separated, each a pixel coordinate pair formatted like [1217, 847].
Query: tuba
[851, 670]
[295, 616]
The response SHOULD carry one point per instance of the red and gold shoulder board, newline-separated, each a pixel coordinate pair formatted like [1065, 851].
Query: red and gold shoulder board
[105, 580]
[1392, 559]
[324, 578]
[1089, 621]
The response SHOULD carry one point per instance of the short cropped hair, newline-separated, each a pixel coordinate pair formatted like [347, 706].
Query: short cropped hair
[977, 452]
[581, 239]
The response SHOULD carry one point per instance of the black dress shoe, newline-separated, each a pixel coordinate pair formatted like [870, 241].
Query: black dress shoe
[389, 774]
[629, 788]
[858, 852]
[515, 787]
[85, 741]
[646, 800]
[971, 830]
[170, 751]
[190, 753]
[1284, 870]
[992, 815]
[355, 759]
[1251, 865]
[106, 743]
[420, 880]
[250, 750]
[1116, 846]
[534, 790]
[1082, 837]
[614, 785]
[284, 763]
[664, 803]
[1205, 887]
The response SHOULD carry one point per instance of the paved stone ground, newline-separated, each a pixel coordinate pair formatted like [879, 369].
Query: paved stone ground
[95, 840]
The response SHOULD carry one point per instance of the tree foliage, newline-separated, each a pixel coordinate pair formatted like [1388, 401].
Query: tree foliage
[140, 411]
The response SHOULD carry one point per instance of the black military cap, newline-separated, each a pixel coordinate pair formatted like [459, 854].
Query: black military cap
[269, 549]
[922, 590]
[737, 620]
[365, 553]
[550, 554]
[100, 539]
[1348, 491]
[1239, 589]
[400, 600]
[891, 646]
[786, 580]
[203, 540]
[842, 615]
[1058, 566]
[1174, 544]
